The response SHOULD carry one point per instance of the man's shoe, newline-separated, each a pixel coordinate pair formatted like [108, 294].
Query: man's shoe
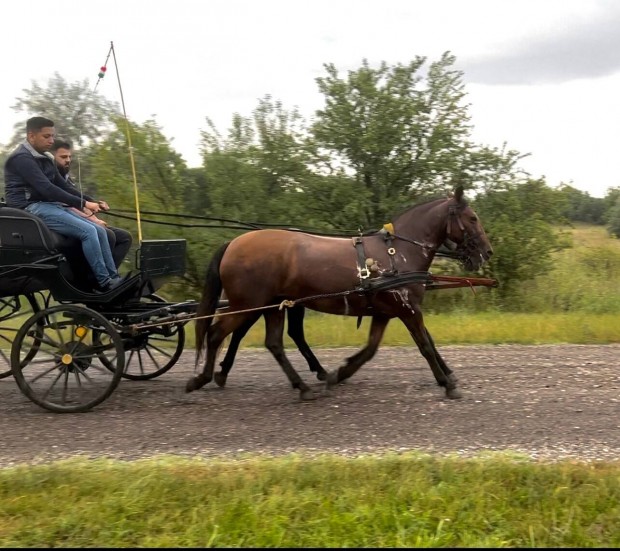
[112, 284]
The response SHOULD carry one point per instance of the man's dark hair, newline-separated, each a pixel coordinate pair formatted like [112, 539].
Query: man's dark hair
[35, 124]
[60, 143]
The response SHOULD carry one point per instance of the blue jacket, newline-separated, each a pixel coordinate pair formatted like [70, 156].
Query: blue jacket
[30, 177]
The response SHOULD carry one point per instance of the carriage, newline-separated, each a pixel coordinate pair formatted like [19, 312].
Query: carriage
[68, 346]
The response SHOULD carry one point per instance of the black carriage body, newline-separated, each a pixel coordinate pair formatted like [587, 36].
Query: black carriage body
[34, 258]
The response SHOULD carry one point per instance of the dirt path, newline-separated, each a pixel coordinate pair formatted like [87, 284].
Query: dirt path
[546, 401]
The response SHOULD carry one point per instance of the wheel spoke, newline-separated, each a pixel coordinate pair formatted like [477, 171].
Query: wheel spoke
[148, 351]
[52, 385]
[161, 351]
[57, 365]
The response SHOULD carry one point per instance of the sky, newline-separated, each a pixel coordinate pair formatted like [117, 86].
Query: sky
[541, 76]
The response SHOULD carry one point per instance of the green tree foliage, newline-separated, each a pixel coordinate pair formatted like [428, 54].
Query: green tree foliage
[612, 211]
[79, 113]
[581, 207]
[266, 159]
[613, 218]
[398, 134]
[520, 221]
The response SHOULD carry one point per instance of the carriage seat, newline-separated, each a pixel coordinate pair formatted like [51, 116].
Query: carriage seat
[24, 239]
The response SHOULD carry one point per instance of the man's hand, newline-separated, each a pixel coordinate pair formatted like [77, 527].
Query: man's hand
[92, 206]
[104, 205]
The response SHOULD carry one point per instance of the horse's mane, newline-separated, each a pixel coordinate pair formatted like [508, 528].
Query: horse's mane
[414, 206]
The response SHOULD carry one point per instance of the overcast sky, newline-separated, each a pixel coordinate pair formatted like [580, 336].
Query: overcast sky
[541, 75]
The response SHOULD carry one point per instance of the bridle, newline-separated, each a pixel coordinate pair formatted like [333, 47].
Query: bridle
[470, 244]
[470, 240]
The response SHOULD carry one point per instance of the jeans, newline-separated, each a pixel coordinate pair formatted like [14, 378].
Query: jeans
[93, 237]
[120, 242]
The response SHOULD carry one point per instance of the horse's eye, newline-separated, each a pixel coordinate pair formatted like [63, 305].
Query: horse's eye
[474, 219]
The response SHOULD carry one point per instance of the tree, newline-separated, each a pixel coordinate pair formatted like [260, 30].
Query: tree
[398, 134]
[521, 222]
[79, 113]
[581, 207]
[613, 218]
[266, 159]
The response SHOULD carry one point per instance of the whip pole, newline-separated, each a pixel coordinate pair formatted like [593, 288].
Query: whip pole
[128, 131]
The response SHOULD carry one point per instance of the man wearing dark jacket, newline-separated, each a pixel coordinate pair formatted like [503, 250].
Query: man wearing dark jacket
[119, 239]
[33, 183]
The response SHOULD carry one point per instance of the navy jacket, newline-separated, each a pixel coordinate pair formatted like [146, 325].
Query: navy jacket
[30, 177]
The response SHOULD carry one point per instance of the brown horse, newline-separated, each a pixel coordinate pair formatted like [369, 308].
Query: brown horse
[260, 269]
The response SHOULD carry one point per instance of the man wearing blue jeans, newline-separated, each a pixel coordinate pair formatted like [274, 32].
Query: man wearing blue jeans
[33, 183]
[119, 239]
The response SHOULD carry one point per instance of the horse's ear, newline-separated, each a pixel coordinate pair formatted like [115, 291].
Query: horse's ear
[458, 193]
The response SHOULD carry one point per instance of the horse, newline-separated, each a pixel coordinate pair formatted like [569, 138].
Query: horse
[261, 269]
[295, 316]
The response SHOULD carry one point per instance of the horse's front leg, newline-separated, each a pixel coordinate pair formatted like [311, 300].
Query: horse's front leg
[443, 374]
[353, 363]
[274, 326]
[448, 372]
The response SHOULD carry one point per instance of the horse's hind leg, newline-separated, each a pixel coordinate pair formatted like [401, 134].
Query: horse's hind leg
[443, 374]
[296, 332]
[226, 364]
[274, 325]
[377, 330]
[216, 333]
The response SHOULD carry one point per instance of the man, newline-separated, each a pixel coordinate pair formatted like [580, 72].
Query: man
[33, 183]
[119, 239]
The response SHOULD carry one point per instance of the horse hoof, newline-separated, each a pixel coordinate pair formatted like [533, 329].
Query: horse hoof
[307, 395]
[321, 375]
[331, 379]
[220, 379]
[192, 385]
[453, 393]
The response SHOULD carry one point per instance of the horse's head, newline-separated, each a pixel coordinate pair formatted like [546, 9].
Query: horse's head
[465, 234]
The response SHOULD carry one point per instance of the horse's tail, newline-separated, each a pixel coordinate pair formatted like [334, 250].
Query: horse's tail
[209, 300]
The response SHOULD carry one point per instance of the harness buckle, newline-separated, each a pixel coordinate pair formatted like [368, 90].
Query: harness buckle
[391, 251]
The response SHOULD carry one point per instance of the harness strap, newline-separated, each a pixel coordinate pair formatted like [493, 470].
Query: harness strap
[363, 271]
[388, 236]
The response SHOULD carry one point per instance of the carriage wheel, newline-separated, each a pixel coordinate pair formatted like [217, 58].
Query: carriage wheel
[67, 375]
[152, 353]
[14, 311]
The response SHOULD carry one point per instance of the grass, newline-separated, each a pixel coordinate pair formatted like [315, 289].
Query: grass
[323, 330]
[407, 500]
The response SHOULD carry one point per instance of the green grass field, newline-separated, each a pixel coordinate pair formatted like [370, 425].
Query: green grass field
[408, 500]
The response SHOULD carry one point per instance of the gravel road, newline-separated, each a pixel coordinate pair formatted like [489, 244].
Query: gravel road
[546, 401]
